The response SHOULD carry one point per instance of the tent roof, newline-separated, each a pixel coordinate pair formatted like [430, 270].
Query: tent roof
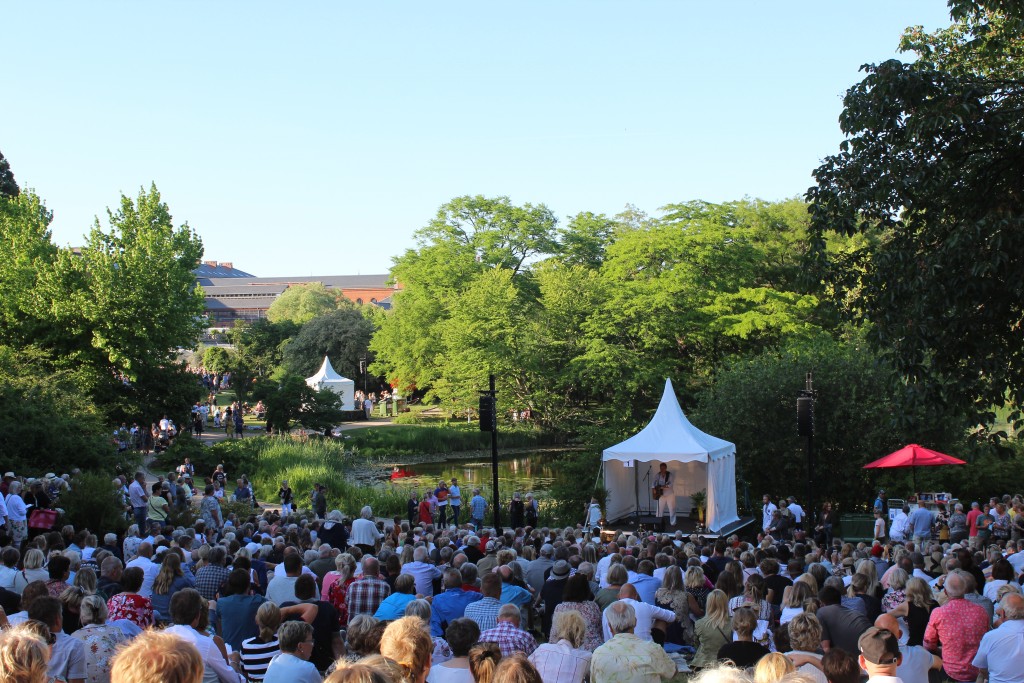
[669, 436]
[326, 374]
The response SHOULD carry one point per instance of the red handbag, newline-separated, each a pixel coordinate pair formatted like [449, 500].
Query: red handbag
[42, 519]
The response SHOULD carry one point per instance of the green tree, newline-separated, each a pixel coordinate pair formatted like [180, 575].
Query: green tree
[932, 168]
[26, 257]
[343, 335]
[216, 359]
[291, 400]
[752, 402]
[8, 186]
[301, 303]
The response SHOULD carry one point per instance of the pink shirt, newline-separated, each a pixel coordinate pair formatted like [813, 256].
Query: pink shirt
[959, 626]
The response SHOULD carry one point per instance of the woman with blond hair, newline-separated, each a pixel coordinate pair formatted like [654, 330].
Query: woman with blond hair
[260, 649]
[516, 668]
[772, 667]
[562, 659]
[805, 642]
[713, 630]
[24, 656]
[916, 609]
[336, 583]
[793, 600]
[897, 590]
[697, 586]
[483, 660]
[33, 570]
[407, 641]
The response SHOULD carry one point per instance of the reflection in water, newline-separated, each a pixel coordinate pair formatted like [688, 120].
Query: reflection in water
[530, 472]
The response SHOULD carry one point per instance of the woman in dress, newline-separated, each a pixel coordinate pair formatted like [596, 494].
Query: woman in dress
[17, 514]
[516, 511]
[823, 529]
[343, 575]
[100, 639]
[576, 597]
[129, 604]
[713, 630]
[209, 509]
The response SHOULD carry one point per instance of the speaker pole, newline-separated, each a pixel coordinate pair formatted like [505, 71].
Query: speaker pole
[805, 420]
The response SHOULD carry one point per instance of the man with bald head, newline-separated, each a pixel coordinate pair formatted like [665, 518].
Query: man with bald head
[958, 626]
[647, 616]
[1001, 653]
[916, 661]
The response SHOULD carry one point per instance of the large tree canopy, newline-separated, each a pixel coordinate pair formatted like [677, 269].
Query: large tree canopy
[343, 335]
[301, 303]
[933, 170]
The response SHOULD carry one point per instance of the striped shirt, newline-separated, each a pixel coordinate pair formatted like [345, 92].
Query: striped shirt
[256, 656]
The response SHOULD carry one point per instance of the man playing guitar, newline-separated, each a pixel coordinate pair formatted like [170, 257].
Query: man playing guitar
[663, 493]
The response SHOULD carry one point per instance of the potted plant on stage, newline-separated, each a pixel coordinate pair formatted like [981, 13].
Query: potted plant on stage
[700, 499]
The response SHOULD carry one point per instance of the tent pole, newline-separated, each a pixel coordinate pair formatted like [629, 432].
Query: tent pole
[636, 492]
[707, 493]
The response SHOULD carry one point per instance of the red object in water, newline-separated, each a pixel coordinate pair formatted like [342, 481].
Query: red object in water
[914, 456]
[401, 473]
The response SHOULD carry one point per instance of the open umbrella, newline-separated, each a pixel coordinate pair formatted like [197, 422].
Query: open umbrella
[914, 456]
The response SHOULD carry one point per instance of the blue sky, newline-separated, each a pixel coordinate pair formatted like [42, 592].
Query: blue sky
[316, 137]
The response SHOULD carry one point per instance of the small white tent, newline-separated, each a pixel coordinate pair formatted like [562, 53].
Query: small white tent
[327, 378]
[697, 461]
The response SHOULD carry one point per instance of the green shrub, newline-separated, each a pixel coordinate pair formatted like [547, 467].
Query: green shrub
[94, 503]
[184, 446]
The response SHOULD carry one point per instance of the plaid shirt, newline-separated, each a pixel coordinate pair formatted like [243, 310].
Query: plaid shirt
[484, 612]
[510, 639]
[209, 580]
[365, 595]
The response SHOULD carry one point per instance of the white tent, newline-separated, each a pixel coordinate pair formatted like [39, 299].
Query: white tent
[697, 461]
[327, 378]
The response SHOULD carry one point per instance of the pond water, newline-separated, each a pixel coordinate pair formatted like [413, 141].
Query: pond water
[526, 472]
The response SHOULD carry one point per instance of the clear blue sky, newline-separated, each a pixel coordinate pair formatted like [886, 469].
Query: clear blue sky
[316, 137]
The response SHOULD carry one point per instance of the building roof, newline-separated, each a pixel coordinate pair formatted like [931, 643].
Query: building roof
[336, 281]
[212, 269]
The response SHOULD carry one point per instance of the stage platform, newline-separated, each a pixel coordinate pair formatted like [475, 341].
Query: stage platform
[744, 527]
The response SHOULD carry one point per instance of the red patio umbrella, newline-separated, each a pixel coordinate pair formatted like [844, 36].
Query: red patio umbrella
[914, 456]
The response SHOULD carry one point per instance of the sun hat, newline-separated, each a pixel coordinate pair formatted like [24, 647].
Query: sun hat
[561, 568]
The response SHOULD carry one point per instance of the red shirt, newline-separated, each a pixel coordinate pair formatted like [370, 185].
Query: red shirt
[972, 522]
[425, 516]
[958, 626]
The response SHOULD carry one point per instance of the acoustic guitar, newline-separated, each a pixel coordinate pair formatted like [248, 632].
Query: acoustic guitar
[656, 492]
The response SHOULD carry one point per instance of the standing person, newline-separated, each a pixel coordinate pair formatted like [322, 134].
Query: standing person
[666, 497]
[477, 509]
[767, 513]
[139, 499]
[516, 511]
[210, 511]
[879, 530]
[823, 531]
[284, 494]
[532, 511]
[239, 423]
[920, 522]
[593, 514]
[413, 507]
[455, 500]
[320, 500]
[426, 512]
[957, 524]
[441, 493]
[797, 512]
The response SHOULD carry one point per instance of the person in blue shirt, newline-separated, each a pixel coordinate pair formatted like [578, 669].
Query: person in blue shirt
[451, 604]
[393, 606]
[921, 522]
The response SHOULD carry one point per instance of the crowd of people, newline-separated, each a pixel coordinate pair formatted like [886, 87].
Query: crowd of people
[299, 595]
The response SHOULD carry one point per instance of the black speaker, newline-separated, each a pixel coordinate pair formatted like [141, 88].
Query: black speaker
[488, 420]
[805, 416]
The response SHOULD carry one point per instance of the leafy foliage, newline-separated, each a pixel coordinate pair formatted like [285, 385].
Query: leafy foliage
[290, 400]
[93, 503]
[753, 404]
[301, 303]
[933, 168]
[8, 186]
[342, 334]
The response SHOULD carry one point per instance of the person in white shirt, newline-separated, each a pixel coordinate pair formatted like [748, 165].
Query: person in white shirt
[645, 614]
[149, 568]
[187, 612]
[561, 658]
[767, 513]
[797, 511]
[1000, 657]
[667, 497]
[916, 661]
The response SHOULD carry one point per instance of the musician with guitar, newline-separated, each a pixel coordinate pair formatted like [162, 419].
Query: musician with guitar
[662, 492]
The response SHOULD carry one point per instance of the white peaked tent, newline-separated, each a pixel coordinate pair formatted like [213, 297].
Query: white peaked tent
[697, 461]
[327, 378]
